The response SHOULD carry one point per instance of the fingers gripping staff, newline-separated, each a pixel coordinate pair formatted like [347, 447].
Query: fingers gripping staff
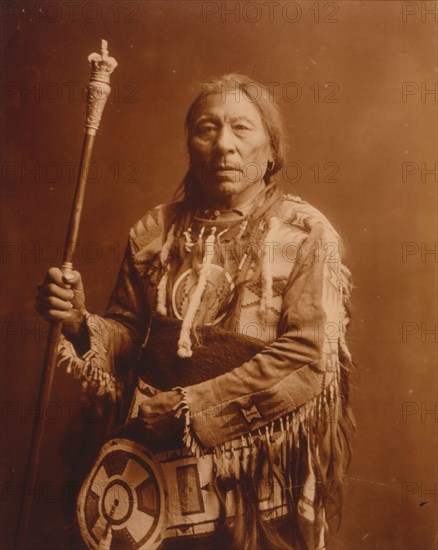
[97, 93]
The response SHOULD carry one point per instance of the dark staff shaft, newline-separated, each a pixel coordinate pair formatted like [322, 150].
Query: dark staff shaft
[48, 372]
[78, 200]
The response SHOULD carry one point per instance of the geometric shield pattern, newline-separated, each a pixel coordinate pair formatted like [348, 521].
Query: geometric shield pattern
[122, 499]
[135, 499]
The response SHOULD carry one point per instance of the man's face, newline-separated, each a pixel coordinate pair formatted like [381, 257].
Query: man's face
[229, 146]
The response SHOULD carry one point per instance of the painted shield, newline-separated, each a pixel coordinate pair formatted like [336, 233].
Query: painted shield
[121, 503]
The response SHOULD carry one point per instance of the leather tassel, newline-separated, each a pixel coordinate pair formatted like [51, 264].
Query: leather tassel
[185, 342]
[106, 540]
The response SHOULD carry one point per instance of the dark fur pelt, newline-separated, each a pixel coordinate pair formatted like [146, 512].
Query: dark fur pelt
[215, 351]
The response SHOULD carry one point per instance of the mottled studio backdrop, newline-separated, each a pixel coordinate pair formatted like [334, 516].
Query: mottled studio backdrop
[357, 84]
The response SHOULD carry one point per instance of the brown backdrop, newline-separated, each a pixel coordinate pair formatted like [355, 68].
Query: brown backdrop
[356, 82]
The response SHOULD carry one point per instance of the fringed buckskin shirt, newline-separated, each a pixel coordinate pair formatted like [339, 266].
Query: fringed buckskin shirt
[279, 414]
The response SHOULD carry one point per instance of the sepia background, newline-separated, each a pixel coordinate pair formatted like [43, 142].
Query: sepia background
[356, 81]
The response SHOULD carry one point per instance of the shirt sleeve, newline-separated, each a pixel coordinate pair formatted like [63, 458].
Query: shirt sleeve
[115, 338]
[292, 370]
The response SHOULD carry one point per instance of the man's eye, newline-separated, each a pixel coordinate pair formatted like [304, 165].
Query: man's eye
[241, 127]
[206, 130]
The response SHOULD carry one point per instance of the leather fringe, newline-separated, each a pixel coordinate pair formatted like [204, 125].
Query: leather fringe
[305, 453]
[94, 378]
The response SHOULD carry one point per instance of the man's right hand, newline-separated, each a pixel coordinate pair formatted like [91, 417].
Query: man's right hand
[61, 298]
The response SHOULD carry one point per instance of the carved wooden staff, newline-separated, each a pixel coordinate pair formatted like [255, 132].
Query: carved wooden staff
[98, 90]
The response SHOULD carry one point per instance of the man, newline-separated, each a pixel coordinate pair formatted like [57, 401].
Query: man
[230, 310]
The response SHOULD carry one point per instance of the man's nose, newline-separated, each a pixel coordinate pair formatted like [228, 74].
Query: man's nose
[225, 140]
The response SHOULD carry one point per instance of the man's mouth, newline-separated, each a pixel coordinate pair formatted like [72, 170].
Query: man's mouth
[226, 168]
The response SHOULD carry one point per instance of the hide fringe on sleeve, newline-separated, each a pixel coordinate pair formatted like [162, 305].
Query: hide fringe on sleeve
[95, 368]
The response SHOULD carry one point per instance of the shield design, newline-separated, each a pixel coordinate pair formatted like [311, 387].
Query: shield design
[121, 503]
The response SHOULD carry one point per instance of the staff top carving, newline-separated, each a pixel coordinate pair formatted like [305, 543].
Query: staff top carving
[101, 64]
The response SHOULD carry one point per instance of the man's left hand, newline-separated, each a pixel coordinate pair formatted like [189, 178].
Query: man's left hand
[158, 413]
